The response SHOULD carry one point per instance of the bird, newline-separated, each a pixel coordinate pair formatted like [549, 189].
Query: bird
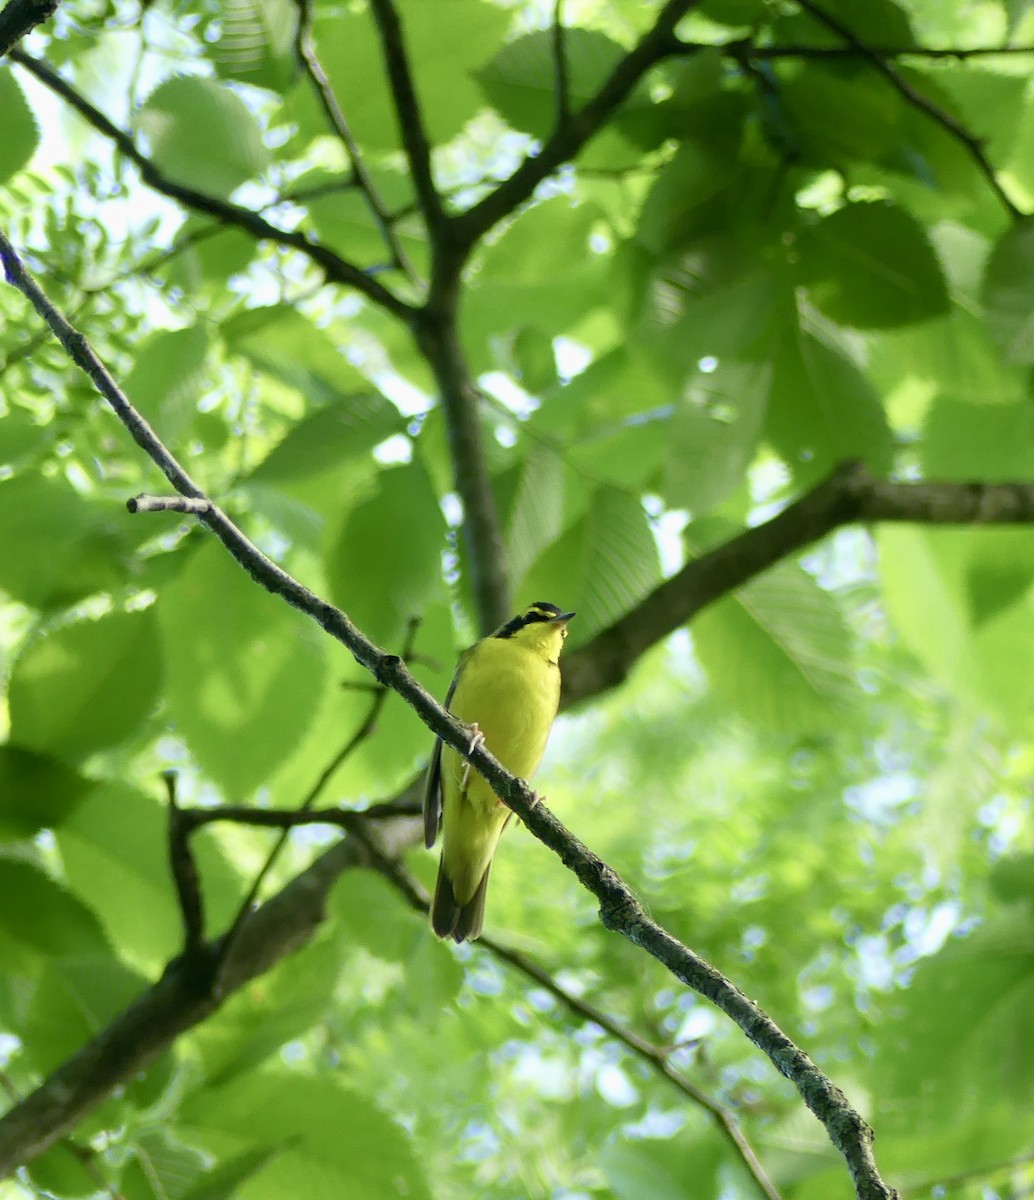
[507, 688]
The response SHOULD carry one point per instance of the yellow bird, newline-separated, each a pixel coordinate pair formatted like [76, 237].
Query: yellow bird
[507, 687]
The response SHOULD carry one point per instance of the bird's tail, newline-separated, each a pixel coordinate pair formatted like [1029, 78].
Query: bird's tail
[449, 918]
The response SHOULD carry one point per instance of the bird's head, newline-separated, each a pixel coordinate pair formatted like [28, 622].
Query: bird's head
[540, 626]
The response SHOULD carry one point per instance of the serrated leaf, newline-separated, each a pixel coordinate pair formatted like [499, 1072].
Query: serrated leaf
[168, 379]
[778, 650]
[336, 1142]
[964, 1033]
[256, 42]
[114, 848]
[823, 410]
[41, 919]
[1009, 292]
[520, 82]
[384, 566]
[285, 344]
[344, 429]
[871, 266]
[714, 434]
[450, 39]
[21, 136]
[36, 792]
[87, 685]
[58, 546]
[245, 672]
[231, 151]
[77, 995]
[536, 512]
[600, 566]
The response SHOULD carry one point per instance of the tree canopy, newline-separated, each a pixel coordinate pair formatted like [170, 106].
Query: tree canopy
[339, 330]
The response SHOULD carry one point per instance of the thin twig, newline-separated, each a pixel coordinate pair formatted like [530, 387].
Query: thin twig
[185, 876]
[571, 136]
[292, 818]
[366, 728]
[415, 142]
[749, 47]
[335, 268]
[18, 17]
[973, 145]
[306, 51]
[560, 75]
[657, 1058]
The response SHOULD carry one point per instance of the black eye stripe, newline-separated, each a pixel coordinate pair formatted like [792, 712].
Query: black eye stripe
[541, 610]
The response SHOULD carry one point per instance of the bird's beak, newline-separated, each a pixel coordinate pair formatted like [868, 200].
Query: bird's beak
[562, 618]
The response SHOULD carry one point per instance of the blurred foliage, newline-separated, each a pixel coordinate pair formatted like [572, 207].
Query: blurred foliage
[759, 267]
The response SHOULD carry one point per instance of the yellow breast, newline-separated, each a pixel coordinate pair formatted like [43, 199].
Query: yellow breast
[512, 692]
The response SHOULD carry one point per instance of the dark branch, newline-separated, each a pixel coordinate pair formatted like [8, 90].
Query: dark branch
[748, 47]
[972, 144]
[312, 66]
[184, 875]
[407, 109]
[620, 909]
[848, 495]
[335, 268]
[560, 74]
[174, 1004]
[578, 128]
[19, 17]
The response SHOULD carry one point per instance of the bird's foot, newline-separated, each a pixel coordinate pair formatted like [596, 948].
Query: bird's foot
[477, 739]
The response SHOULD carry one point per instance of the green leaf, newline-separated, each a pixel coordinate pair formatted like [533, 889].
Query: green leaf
[161, 1167]
[256, 1022]
[344, 429]
[336, 1142]
[534, 359]
[520, 80]
[284, 343]
[168, 379]
[384, 566]
[76, 996]
[59, 1171]
[714, 435]
[87, 685]
[990, 442]
[256, 43]
[822, 409]
[231, 150]
[1009, 292]
[58, 546]
[36, 792]
[834, 115]
[964, 1033]
[660, 1169]
[245, 672]
[779, 651]
[871, 266]
[225, 1181]
[21, 136]
[600, 567]
[114, 849]
[680, 203]
[450, 39]
[356, 895]
[40, 919]
[536, 512]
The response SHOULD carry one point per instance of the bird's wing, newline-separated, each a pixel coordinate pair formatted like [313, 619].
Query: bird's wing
[433, 791]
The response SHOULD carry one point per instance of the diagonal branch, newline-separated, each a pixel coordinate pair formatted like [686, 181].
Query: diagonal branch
[849, 495]
[972, 144]
[306, 51]
[657, 1058]
[407, 109]
[18, 17]
[572, 133]
[620, 909]
[562, 82]
[335, 268]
